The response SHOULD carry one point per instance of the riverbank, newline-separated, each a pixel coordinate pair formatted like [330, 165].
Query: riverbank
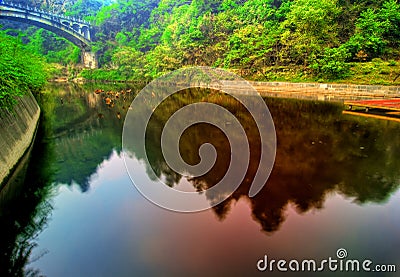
[17, 130]
[309, 91]
[325, 91]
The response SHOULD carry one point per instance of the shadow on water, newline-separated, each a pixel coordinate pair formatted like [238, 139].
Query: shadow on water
[320, 151]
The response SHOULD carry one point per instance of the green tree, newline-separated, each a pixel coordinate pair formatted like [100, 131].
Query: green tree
[129, 62]
[250, 47]
[390, 16]
[20, 71]
[368, 39]
[310, 27]
[86, 8]
[332, 65]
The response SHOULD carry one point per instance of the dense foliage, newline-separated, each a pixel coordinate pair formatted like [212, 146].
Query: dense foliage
[263, 39]
[20, 71]
[258, 38]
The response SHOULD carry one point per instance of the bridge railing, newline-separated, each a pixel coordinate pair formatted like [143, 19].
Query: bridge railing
[41, 11]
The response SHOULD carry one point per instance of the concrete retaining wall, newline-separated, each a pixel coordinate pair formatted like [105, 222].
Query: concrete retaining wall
[17, 130]
[318, 91]
[312, 91]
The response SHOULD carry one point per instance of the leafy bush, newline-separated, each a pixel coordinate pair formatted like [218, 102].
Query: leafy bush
[20, 71]
[333, 65]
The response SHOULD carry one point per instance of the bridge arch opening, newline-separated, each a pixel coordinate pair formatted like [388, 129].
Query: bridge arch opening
[76, 27]
[86, 32]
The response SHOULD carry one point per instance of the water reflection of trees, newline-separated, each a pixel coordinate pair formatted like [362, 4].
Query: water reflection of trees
[24, 211]
[77, 132]
[319, 151]
[82, 130]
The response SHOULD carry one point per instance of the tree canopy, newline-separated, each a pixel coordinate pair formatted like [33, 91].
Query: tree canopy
[150, 37]
[137, 39]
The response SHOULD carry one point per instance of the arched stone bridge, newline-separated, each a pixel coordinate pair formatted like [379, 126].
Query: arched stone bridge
[76, 30]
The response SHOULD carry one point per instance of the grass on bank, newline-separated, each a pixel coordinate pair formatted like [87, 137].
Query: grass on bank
[375, 72]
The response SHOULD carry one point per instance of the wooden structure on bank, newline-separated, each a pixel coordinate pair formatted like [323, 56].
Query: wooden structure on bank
[388, 109]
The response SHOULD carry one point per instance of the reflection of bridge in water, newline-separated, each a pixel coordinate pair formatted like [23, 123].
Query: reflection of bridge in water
[76, 30]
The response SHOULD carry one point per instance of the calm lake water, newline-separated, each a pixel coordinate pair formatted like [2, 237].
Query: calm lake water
[335, 184]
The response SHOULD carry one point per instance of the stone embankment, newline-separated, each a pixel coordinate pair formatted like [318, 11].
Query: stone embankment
[17, 131]
[326, 92]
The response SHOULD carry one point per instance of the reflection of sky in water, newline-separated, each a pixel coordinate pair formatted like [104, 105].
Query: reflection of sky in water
[113, 231]
[102, 226]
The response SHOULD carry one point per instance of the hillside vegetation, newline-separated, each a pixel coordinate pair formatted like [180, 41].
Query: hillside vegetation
[20, 71]
[294, 40]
